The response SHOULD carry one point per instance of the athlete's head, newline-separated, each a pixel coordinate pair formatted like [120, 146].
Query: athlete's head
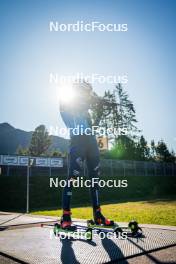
[82, 88]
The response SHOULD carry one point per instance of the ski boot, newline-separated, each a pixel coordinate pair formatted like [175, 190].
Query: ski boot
[99, 219]
[66, 222]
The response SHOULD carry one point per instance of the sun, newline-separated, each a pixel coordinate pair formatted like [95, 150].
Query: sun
[66, 93]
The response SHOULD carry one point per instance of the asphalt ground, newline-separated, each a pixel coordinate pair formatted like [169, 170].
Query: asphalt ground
[23, 240]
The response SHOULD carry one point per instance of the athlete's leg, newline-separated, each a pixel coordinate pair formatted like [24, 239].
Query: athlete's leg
[76, 157]
[93, 164]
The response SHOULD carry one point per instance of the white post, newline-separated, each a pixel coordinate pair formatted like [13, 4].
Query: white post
[27, 190]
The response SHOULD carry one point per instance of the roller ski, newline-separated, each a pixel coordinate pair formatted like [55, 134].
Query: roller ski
[132, 230]
[99, 219]
[65, 227]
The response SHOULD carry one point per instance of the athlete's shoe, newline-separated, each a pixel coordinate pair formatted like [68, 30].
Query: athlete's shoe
[100, 219]
[66, 222]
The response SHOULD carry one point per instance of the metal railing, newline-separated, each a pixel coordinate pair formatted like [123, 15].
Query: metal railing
[137, 168]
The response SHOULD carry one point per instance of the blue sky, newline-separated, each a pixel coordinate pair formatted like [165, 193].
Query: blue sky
[146, 53]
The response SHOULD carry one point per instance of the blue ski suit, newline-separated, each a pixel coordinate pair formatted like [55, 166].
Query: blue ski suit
[82, 147]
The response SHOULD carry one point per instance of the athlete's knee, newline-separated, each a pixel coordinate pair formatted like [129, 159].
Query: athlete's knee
[76, 168]
[95, 183]
[96, 170]
[79, 161]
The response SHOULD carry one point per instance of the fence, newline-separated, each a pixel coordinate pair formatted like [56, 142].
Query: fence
[26, 188]
[13, 165]
[137, 168]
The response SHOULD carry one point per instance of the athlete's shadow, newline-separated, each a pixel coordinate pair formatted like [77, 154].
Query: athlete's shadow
[68, 255]
[113, 251]
[67, 252]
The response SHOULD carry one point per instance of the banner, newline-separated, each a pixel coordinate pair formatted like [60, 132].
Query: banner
[9, 160]
[24, 161]
[42, 162]
[56, 162]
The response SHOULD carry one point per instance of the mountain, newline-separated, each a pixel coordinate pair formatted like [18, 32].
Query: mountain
[11, 138]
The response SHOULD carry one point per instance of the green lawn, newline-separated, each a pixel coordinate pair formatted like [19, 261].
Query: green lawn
[162, 212]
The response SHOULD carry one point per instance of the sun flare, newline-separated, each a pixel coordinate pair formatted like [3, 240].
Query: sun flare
[66, 93]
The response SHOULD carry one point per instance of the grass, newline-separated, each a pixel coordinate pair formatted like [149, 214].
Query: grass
[161, 212]
[140, 188]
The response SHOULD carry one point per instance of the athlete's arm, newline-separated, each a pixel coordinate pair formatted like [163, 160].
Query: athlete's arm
[95, 99]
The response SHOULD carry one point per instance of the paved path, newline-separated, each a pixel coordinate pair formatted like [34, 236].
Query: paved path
[23, 240]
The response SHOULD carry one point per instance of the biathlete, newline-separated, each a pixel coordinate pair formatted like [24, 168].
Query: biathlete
[83, 146]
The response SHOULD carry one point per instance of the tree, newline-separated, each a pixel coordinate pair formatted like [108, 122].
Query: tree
[162, 152]
[116, 111]
[143, 151]
[22, 151]
[124, 148]
[40, 141]
[126, 112]
[172, 157]
[102, 110]
[153, 150]
[56, 153]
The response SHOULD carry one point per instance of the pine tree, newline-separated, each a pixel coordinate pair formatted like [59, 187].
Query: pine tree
[162, 151]
[102, 110]
[153, 150]
[124, 148]
[172, 157]
[116, 111]
[126, 112]
[40, 141]
[143, 151]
